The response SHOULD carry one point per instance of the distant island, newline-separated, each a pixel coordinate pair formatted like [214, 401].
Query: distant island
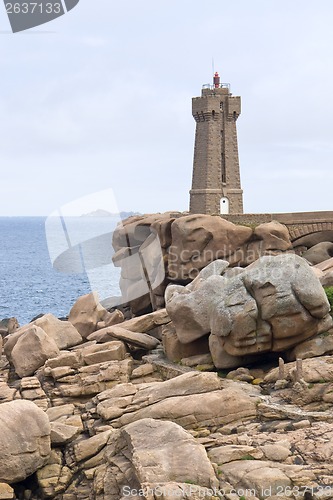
[104, 213]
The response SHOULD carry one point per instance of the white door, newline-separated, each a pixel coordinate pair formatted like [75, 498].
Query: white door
[224, 206]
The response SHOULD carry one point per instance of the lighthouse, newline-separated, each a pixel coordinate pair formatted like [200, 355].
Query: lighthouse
[216, 185]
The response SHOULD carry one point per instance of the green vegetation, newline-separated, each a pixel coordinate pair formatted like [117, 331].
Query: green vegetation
[329, 294]
[205, 368]
[251, 225]
[247, 457]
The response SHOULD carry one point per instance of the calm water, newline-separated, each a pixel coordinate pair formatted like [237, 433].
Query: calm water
[29, 285]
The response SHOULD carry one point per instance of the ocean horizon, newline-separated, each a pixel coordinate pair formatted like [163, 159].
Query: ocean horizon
[30, 285]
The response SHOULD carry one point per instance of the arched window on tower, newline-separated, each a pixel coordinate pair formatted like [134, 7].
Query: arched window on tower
[235, 115]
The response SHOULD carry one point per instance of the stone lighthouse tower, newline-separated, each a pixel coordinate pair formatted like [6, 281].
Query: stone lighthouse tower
[216, 186]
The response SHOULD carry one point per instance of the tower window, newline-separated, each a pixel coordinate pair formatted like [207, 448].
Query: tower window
[213, 114]
[221, 106]
[235, 115]
[223, 172]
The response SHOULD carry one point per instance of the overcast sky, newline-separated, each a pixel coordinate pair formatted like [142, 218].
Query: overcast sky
[101, 99]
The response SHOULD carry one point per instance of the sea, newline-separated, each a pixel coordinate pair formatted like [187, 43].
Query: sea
[45, 265]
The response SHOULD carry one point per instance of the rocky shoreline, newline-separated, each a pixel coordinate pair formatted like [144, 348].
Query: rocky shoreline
[225, 393]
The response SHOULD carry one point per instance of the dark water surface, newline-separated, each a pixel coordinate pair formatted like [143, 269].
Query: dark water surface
[28, 283]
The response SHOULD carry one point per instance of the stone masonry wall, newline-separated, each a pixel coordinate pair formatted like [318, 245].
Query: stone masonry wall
[216, 164]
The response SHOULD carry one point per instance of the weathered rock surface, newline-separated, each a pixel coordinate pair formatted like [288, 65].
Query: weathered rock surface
[188, 243]
[87, 448]
[149, 459]
[63, 333]
[125, 427]
[6, 492]
[229, 453]
[62, 433]
[8, 325]
[325, 266]
[31, 389]
[108, 351]
[24, 440]
[87, 380]
[197, 240]
[31, 350]
[260, 476]
[314, 347]
[327, 279]
[192, 400]
[133, 338]
[88, 315]
[324, 271]
[273, 305]
[133, 331]
[319, 253]
[176, 350]
[101, 444]
[314, 370]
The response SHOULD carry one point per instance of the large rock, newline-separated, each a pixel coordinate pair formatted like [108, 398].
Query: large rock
[133, 331]
[187, 244]
[319, 253]
[327, 279]
[99, 353]
[324, 271]
[6, 492]
[191, 400]
[88, 315]
[89, 447]
[141, 324]
[325, 266]
[229, 453]
[150, 460]
[31, 350]
[270, 238]
[24, 440]
[317, 346]
[273, 305]
[89, 380]
[197, 240]
[133, 338]
[264, 478]
[147, 322]
[314, 370]
[141, 244]
[62, 332]
[8, 325]
[175, 350]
